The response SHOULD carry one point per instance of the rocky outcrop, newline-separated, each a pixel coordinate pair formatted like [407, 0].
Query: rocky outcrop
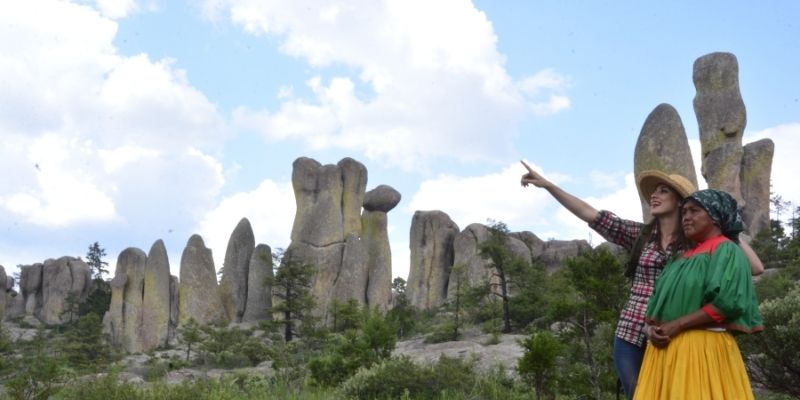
[65, 285]
[523, 245]
[374, 222]
[174, 286]
[124, 317]
[198, 294]
[3, 281]
[259, 292]
[142, 316]
[557, 251]
[663, 146]
[51, 291]
[318, 190]
[354, 185]
[721, 116]
[156, 301]
[352, 260]
[235, 271]
[756, 172]
[466, 254]
[431, 245]
[30, 285]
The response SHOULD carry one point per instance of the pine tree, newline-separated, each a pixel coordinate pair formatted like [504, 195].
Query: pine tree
[94, 258]
[291, 285]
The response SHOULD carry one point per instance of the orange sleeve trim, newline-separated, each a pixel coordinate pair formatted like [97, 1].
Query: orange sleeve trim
[713, 313]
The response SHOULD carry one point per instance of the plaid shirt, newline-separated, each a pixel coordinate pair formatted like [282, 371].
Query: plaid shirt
[630, 327]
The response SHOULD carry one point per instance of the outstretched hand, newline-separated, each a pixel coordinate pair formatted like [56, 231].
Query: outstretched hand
[531, 177]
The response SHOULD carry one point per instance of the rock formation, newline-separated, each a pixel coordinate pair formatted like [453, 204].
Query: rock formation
[30, 284]
[124, 317]
[198, 293]
[721, 117]
[259, 293]
[318, 232]
[431, 245]
[556, 251]
[141, 316]
[156, 302]
[663, 146]
[744, 172]
[49, 289]
[352, 260]
[235, 271]
[3, 290]
[524, 245]
[756, 172]
[374, 222]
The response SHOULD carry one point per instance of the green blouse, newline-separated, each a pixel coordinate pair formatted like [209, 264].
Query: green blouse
[714, 276]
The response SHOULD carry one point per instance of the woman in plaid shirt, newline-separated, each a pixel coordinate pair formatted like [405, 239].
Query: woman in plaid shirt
[663, 239]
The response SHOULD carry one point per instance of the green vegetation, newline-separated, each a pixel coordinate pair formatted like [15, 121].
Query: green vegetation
[770, 355]
[567, 320]
[291, 284]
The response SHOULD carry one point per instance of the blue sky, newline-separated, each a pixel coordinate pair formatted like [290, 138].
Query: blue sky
[128, 121]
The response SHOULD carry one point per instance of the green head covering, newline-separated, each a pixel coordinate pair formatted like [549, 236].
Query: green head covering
[723, 210]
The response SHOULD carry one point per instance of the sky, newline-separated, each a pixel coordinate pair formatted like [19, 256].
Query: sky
[128, 121]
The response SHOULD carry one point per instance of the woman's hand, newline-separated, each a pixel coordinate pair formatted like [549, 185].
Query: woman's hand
[656, 336]
[532, 178]
[671, 328]
[580, 208]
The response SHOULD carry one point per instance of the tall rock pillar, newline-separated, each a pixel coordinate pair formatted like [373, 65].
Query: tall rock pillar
[431, 245]
[236, 270]
[721, 117]
[377, 203]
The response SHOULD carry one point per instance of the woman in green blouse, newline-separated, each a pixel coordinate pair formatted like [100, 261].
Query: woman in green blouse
[700, 299]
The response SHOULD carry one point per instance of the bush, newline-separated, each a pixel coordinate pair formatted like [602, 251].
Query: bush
[444, 332]
[398, 377]
[231, 347]
[772, 355]
[390, 379]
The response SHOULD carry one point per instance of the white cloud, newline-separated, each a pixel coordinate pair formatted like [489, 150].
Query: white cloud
[435, 84]
[117, 8]
[269, 208]
[64, 193]
[103, 146]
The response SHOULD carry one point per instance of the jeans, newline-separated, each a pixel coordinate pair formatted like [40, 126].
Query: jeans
[627, 360]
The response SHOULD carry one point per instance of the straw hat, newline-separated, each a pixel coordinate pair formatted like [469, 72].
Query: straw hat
[648, 180]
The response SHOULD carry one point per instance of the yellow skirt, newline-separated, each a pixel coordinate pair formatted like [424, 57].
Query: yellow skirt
[697, 364]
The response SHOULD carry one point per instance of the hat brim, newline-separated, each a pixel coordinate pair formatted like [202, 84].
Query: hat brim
[649, 180]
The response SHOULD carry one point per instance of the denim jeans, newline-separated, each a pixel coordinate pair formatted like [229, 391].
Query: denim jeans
[627, 361]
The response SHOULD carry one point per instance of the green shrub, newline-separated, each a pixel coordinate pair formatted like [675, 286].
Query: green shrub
[390, 379]
[397, 377]
[772, 354]
[444, 332]
[538, 362]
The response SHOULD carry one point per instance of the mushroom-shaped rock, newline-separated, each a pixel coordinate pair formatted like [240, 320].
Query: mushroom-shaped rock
[383, 198]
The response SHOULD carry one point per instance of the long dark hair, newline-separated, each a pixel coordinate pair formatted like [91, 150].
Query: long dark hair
[652, 231]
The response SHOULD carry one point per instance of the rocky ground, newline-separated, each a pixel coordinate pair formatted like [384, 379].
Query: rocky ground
[474, 345]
